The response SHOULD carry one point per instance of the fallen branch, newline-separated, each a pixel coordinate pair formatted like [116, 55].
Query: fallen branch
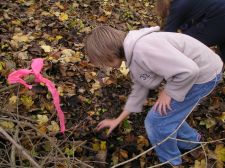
[13, 150]
[20, 148]
[48, 138]
[202, 144]
[174, 158]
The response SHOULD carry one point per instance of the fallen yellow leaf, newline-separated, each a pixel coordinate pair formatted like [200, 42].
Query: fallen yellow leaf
[42, 119]
[27, 101]
[54, 127]
[95, 86]
[2, 65]
[210, 122]
[220, 152]
[95, 146]
[7, 124]
[20, 38]
[13, 100]
[63, 17]
[222, 117]
[103, 145]
[123, 69]
[59, 5]
[200, 164]
[46, 48]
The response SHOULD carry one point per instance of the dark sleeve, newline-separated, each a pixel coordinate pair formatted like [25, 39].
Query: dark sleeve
[178, 13]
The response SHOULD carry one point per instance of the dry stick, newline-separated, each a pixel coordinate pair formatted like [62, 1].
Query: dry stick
[202, 144]
[8, 88]
[213, 164]
[20, 148]
[206, 161]
[13, 151]
[71, 133]
[44, 135]
[19, 116]
[46, 158]
[33, 127]
[174, 158]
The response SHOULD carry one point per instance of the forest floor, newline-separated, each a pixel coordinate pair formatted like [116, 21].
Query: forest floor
[55, 31]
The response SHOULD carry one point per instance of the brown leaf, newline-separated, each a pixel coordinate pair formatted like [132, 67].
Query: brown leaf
[102, 19]
[123, 153]
[35, 50]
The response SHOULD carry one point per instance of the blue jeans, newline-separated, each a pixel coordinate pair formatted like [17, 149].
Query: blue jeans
[160, 127]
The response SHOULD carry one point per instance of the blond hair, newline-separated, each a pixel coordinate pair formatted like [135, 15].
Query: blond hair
[163, 7]
[104, 44]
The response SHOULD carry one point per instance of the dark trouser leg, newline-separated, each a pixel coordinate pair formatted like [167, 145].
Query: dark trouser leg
[210, 32]
[222, 51]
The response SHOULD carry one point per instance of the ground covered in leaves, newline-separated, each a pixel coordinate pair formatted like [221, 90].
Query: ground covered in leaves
[55, 30]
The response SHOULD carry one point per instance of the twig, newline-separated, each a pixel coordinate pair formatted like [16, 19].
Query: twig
[174, 158]
[202, 145]
[19, 116]
[206, 161]
[13, 151]
[20, 148]
[45, 159]
[200, 142]
[44, 135]
[8, 88]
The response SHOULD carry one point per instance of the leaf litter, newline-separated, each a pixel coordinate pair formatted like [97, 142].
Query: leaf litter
[55, 30]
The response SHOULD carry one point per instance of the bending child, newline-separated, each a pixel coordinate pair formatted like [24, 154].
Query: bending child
[191, 71]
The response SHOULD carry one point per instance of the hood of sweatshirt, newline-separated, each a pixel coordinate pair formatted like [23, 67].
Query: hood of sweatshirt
[131, 39]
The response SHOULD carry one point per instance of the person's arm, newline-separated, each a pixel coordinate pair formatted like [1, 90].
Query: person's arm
[112, 123]
[134, 104]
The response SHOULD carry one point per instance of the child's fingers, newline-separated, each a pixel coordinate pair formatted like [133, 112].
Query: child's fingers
[100, 126]
[110, 130]
[169, 107]
[164, 109]
[160, 109]
[155, 106]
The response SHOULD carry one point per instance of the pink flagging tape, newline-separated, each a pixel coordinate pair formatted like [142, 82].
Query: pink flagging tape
[36, 67]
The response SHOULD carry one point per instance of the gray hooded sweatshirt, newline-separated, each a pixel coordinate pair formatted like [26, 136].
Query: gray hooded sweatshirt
[179, 59]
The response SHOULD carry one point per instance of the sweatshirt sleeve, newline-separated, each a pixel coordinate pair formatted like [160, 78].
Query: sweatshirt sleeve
[179, 71]
[136, 98]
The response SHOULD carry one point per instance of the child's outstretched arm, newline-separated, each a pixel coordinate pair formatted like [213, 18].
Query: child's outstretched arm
[112, 123]
[134, 104]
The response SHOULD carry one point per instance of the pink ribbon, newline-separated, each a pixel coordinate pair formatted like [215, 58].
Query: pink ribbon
[36, 67]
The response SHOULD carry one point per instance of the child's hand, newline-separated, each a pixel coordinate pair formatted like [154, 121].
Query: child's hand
[163, 103]
[108, 123]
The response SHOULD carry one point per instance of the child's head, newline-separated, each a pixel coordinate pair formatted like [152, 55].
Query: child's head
[104, 46]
